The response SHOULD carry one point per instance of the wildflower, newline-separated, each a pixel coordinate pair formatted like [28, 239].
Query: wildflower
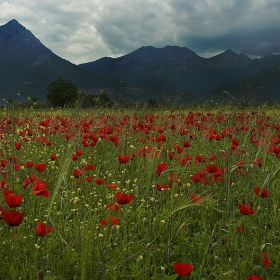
[254, 277]
[12, 199]
[183, 269]
[114, 207]
[161, 167]
[161, 187]
[77, 173]
[266, 262]
[12, 218]
[241, 229]
[40, 167]
[18, 145]
[195, 198]
[123, 198]
[109, 221]
[42, 229]
[53, 157]
[99, 181]
[123, 158]
[245, 209]
[264, 193]
[40, 188]
[112, 186]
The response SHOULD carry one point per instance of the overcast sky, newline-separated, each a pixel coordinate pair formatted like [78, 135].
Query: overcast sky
[86, 30]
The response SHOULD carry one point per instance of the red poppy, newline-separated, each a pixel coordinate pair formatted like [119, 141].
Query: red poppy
[123, 158]
[161, 167]
[18, 146]
[162, 187]
[195, 198]
[42, 229]
[264, 193]
[112, 186]
[241, 229]
[53, 157]
[40, 167]
[4, 185]
[212, 168]
[99, 181]
[254, 277]
[29, 164]
[266, 262]
[40, 188]
[114, 207]
[89, 179]
[77, 173]
[12, 199]
[245, 209]
[109, 221]
[89, 167]
[74, 157]
[79, 152]
[12, 217]
[123, 198]
[183, 269]
[4, 163]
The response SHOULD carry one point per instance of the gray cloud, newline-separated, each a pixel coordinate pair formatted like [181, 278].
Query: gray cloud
[82, 31]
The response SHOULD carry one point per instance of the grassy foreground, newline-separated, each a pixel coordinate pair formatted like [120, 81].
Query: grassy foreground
[140, 195]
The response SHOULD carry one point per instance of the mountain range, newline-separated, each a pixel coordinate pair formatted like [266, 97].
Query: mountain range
[27, 67]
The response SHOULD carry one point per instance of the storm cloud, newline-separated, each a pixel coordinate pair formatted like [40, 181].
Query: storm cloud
[83, 31]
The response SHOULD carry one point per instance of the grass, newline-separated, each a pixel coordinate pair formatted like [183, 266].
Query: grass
[187, 213]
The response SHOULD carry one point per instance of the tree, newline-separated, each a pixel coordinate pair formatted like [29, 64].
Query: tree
[61, 92]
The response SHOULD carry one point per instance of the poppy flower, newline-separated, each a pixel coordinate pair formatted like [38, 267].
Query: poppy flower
[40, 167]
[112, 186]
[183, 269]
[29, 164]
[123, 198]
[245, 209]
[42, 229]
[109, 221]
[89, 179]
[264, 193]
[89, 167]
[77, 173]
[99, 181]
[195, 198]
[53, 157]
[4, 185]
[12, 199]
[162, 187]
[161, 167]
[18, 146]
[74, 157]
[40, 188]
[12, 218]
[241, 229]
[123, 158]
[266, 262]
[4, 163]
[254, 277]
[114, 207]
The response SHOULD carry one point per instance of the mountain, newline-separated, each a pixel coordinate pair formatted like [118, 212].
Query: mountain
[176, 68]
[257, 88]
[27, 66]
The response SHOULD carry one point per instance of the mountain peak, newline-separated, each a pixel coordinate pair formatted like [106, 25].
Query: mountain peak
[16, 37]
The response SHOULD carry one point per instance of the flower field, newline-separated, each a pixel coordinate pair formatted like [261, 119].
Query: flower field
[138, 194]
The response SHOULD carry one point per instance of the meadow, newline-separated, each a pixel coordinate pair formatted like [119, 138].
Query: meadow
[140, 194]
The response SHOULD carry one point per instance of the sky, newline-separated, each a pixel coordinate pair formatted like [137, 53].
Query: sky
[85, 30]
